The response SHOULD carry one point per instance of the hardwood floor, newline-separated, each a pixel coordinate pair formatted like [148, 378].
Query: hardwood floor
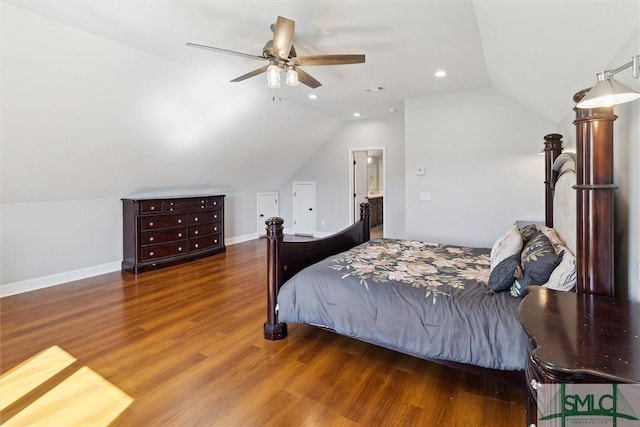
[185, 343]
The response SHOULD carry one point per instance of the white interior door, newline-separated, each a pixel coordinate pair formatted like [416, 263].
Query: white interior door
[360, 182]
[304, 208]
[267, 208]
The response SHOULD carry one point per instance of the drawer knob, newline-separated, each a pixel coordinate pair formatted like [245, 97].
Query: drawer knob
[153, 208]
[201, 207]
[195, 219]
[215, 228]
[215, 216]
[179, 234]
[151, 239]
[180, 249]
[196, 246]
[151, 224]
[151, 253]
[535, 384]
[215, 240]
[180, 221]
[171, 210]
[195, 232]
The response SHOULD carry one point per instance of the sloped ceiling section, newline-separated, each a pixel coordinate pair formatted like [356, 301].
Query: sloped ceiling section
[542, 52]
[108, 89]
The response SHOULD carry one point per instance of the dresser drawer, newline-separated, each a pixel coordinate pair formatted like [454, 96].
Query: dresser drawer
[151, 207]
[155, 237]
[162, 221]
[161, 251]
[185, 205]
[204, 229]
[205, 217]
[206, 242]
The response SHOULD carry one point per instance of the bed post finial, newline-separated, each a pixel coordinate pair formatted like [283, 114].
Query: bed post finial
[594, 199]
[552, 149]
[274, 330]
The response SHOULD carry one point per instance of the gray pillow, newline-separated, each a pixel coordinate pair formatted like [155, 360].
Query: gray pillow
[539, 259]
[504, 274]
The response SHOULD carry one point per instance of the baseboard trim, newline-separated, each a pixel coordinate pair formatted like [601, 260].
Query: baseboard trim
[36, 283]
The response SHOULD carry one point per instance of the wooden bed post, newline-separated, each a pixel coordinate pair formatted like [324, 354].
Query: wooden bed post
[274, 330]
[595, 193]
[552, 149]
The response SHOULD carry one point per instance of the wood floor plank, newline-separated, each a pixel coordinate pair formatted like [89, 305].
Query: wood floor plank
[186, 344]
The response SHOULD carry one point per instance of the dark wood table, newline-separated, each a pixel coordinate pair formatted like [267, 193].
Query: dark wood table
[579, 338]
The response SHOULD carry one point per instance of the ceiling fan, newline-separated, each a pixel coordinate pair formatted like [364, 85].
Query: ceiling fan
[282, 56]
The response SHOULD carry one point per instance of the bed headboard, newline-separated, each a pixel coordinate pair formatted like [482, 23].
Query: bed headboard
[564, 199]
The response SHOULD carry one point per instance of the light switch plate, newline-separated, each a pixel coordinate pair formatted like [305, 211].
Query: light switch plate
[425, 196]
[420, 171]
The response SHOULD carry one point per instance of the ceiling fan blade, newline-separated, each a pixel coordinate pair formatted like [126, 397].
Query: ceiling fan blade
[283, 37]
[227, 51]
[328, 60]
[250, 74]
[306, 79]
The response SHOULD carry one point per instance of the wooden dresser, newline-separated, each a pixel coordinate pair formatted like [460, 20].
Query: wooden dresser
[578, 338]
[159, 232]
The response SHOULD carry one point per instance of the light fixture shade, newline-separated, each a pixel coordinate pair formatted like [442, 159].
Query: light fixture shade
[273, 76]
[292, 77]
[607, 93]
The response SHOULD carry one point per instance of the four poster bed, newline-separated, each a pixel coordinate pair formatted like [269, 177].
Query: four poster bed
[432, 301]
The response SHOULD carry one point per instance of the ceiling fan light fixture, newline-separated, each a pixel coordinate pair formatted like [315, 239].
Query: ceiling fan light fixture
[273, 76]
[292, 77]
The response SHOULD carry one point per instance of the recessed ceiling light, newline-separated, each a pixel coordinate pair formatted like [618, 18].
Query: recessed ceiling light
[356, 114]
[374, 89]
[313, 96]
[440, 73]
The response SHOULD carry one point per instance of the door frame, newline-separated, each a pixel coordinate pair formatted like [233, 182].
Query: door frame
[313, 210]
[352, 183]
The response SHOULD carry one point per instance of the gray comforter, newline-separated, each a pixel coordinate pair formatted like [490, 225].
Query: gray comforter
[423, 299]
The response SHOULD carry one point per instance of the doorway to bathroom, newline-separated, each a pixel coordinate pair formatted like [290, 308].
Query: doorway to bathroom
[367, 183]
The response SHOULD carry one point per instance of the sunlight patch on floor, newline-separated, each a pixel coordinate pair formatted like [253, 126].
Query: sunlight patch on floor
[83, 398]
[28, 375]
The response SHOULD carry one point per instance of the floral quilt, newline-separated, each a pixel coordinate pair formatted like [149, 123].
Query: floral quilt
[422, 299]
[433, 267]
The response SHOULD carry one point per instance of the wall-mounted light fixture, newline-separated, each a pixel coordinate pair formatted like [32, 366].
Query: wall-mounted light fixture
[609, 92]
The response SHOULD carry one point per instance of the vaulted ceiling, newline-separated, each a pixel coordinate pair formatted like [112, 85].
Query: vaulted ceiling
[102, 98]
[537, 52]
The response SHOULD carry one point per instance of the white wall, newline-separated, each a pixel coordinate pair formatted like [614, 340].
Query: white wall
[479, 150]
[86, 121]
[330, 169]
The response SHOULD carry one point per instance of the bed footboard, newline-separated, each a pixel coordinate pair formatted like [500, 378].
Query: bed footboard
[285, 259]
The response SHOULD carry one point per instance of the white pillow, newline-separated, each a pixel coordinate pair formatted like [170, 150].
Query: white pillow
[510, 243]
[564, 276]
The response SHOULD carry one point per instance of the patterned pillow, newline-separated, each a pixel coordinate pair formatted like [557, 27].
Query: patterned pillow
[539, 259]
[527, 232]
[505, 273]
[510, 243]
[564, 277]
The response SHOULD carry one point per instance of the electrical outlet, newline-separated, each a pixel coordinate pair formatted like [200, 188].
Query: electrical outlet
[425, 196]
